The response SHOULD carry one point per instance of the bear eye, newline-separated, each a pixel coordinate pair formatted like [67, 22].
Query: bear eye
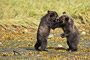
[54, 21]
[52, 15]
[67, 19]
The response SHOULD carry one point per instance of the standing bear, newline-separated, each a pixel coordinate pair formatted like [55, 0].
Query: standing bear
[47, 22]
[71, 32]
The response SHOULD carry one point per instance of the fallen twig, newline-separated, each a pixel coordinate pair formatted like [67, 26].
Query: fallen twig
[16, 52]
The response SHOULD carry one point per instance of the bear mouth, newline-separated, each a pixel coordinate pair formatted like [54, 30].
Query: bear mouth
[53, 27]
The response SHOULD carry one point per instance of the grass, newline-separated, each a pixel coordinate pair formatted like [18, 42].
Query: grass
[18, 12]
[19, 20]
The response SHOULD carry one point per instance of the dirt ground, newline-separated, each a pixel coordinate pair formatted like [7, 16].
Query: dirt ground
[18, 44]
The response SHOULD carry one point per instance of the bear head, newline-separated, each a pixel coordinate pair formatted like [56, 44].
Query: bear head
[51, 18]
[63, 20]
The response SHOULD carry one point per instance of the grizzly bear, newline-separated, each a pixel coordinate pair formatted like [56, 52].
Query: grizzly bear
[71, 32]
[45, 25]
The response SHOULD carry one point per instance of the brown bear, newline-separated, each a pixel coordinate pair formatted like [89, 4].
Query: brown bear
[71, 32]
[45, 25]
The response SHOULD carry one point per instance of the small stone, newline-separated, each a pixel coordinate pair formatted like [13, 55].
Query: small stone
[83, 32]
[25, 31]
[59, 45]
[85, 57]
[1, 44]
[50, 36]
[30, 53]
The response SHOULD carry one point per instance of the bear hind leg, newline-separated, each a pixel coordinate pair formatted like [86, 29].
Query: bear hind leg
[37, 45]
[43, 45]
[70, 46]
[74, 47]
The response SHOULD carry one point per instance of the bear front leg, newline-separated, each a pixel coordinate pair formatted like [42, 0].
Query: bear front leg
[65, 34]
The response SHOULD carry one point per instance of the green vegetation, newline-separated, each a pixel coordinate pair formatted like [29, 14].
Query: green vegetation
[19, 20]
[26, 12]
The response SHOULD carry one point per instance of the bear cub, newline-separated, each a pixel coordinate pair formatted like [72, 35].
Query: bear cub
[71, 32]
[47, 22]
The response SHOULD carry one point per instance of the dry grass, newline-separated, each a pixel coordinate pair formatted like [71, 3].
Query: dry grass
[22, 12]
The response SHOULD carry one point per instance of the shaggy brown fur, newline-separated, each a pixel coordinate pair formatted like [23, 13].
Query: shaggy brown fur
[45, 25]
[71, 32]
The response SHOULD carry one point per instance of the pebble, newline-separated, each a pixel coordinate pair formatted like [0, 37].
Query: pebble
[1, 44]
[50, 36]
[60, 45]
[83, 32]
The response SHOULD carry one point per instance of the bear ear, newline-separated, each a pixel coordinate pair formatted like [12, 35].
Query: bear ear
[67, 19]
[48, 11]
[64, 12]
